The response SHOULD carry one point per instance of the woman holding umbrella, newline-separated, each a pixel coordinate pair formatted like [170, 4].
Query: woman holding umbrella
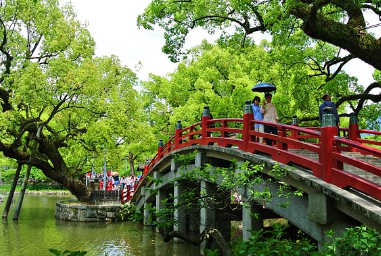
[268, 108]
[269, 115]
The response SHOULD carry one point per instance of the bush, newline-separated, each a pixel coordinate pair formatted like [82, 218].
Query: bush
[355, 241]
[35, 174]
[45, 186]
[270, 242]
[129, 213]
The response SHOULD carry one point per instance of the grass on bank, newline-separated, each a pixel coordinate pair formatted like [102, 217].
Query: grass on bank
[38, 187]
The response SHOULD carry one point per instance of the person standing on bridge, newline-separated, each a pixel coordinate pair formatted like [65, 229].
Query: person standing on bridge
[115, 178]
[328, 103]
[258, 116]
[269, 115]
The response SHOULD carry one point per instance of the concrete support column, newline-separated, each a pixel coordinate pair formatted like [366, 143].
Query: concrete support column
[252, 219]
[252, 214]
[174, 165]
[320, 209]
[194, 220]
[223, 220]
[147, 218]
[160, 196]
[207, 213]
[180, 213]
[200, 159]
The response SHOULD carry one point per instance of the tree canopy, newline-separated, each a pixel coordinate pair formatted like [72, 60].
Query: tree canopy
[222, 76]
[305, 58]
[339, 22]
[51, 81]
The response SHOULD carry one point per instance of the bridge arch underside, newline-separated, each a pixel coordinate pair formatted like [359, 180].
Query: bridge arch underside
[321, 208]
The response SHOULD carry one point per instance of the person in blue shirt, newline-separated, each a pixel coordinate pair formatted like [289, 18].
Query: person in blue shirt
[258, 116]
[328, 103]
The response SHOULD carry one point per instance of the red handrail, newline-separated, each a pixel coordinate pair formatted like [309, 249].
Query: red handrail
[328, 147]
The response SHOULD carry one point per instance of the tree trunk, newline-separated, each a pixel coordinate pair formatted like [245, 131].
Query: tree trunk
[75, 186]
[131, 159]
[16, 178]
[208, 234]
[24, 185]
[26, 178]
[12, 191]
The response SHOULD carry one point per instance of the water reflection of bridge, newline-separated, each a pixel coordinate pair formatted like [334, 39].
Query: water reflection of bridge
[340, 176]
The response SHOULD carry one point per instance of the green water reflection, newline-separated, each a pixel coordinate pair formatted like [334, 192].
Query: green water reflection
[37, 230]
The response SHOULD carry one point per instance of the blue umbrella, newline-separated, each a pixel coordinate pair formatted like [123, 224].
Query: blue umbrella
[264, 87]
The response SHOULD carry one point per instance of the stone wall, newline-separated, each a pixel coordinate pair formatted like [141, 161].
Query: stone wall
[88, 213]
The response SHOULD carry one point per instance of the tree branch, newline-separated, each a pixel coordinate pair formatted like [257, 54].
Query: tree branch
[208, 234]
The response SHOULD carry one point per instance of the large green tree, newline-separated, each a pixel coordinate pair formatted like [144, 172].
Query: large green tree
[222, 76]
[51, 81]
[341, 23]
[293, 24]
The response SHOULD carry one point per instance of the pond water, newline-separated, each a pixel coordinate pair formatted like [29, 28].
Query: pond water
[37, 231]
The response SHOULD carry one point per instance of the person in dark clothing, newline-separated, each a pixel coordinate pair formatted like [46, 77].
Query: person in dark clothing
[328, 103]
[116, 182]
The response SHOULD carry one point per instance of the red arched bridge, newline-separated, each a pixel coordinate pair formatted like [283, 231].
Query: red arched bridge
[330, 149]
[340, 175]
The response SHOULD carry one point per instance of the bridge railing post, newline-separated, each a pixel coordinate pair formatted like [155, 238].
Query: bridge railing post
[205, 125]
[247, 125]
[160, 150]
[328, 132]
[145, 170]
[294, 134]
[281, 134]
[178, 134]
[224, 126]
[353, 129]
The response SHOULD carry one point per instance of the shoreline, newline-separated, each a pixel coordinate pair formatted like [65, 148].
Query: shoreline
[45, 193]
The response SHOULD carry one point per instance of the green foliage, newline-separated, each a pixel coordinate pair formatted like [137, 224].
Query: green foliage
[8, 175]
[302, 67]
[355, 241]
[222, 77]
[129, 213]
[42, 187]
[7, 187]
[67, 252]
[373, 138]
[271, 242]
[50, 78]
[209, 252]
[282, 19]
[45, 187]
[35, 174]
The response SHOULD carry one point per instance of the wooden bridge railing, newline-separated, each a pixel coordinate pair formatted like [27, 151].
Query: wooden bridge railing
[323, 141]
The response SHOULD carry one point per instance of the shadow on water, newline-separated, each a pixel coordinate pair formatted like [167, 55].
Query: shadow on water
[37, 230]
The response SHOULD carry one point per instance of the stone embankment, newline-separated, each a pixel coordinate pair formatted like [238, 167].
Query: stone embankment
[88, 213]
